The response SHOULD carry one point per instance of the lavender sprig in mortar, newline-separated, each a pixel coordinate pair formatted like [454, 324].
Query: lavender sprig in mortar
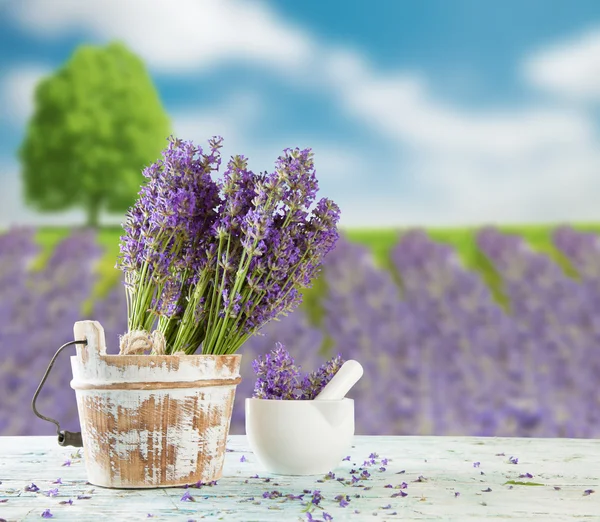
[278, 377]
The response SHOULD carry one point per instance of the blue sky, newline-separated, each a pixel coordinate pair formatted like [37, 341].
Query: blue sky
[420, 113]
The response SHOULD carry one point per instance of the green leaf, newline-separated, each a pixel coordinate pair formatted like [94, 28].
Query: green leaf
[518, 483]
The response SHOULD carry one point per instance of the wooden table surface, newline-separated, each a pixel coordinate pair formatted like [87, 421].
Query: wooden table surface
[424, 478]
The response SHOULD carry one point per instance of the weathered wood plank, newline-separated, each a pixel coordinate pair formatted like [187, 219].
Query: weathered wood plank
[447, 465]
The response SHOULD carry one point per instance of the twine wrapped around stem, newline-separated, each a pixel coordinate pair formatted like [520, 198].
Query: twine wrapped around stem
[140, 342]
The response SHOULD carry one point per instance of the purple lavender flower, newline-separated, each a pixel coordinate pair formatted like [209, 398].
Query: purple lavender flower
[279, 378]
[52, 492]
[313, 383]
[164, 240]
[210, 263]
[271, 494]
[187, 497]
[316, 497]
[46, 514]
[343, 500]
[277, 375]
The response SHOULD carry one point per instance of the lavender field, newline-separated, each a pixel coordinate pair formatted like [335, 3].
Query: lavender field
[442, 354]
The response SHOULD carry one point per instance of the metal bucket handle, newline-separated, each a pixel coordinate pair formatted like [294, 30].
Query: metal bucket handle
[91, 344]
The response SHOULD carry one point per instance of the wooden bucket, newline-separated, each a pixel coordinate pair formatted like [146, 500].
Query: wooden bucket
[151, 421]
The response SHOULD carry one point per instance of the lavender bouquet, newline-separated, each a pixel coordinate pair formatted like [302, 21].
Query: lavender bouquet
[208, 262]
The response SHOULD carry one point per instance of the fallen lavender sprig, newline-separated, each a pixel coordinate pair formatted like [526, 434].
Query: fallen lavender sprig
[278, 377]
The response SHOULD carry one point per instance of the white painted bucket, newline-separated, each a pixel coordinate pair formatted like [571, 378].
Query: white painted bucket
[151, 421]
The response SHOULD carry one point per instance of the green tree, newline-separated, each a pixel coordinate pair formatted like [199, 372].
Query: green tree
[97, 122]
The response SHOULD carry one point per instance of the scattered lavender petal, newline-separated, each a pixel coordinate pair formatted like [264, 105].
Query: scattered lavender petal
[187, 497]
[316, 497]
[343, 500]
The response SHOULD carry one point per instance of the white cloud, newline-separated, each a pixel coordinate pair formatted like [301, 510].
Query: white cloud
[536, 164]
[570, 68]
[400, 107]
[233, 118]
[17, 91]
[178, 35]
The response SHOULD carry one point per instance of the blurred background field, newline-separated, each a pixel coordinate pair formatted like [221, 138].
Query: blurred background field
[461, 140]
[481, 331]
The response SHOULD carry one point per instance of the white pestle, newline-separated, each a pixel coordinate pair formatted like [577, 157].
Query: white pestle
[346, 377]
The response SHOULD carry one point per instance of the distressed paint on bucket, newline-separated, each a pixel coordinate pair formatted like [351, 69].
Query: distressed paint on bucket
[151, 421]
